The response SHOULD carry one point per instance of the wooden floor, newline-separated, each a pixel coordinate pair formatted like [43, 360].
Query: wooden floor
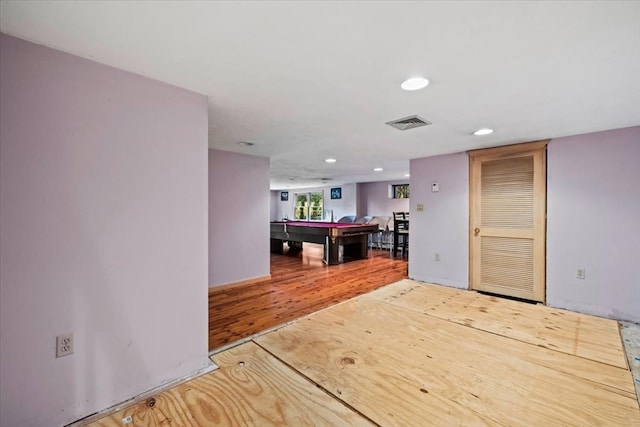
[412, 354]
[299, 285]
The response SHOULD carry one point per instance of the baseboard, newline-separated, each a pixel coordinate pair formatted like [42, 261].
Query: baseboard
[240, 283]
[143, 396]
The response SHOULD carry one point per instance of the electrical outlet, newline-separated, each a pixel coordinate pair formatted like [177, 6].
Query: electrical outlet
[580, 273]
[437, 257]
[64, 345]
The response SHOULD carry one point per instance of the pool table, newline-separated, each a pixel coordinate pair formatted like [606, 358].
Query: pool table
[341, 241]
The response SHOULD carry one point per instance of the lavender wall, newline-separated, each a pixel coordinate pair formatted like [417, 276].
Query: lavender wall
[361, 204]
[344, 206]
[443, 226]
[279, 209]
[593, 193]
[594, 223]
[103, 224]
[376, 201]
[274, 205]
[239, 205]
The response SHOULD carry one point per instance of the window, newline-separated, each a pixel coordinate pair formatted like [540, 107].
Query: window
[400, 191]
[301, 210]
[309, 207]
[316, 208]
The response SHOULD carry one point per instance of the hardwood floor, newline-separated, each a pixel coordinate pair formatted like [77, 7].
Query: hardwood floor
[300, 284]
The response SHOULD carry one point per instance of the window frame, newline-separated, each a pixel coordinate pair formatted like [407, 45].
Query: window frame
[400, 191]
[311, 210]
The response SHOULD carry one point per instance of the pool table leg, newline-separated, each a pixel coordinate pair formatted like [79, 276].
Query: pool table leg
[332, 254]
[294, 247]
[276, 246]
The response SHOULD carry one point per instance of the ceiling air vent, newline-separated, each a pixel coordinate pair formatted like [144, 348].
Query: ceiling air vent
[409, 122]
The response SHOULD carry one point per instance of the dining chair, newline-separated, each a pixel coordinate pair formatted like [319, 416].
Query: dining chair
[400, 231]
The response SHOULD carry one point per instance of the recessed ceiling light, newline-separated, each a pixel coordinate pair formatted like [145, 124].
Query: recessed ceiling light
[246, 143]
[330, 160]
[414, 83]
[481, 132]
[378, 169]
[407, 175]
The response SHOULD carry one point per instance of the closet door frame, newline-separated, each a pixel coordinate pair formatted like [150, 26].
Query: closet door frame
[537, 150]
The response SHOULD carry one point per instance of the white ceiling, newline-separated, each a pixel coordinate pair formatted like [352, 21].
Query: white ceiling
[305, 81]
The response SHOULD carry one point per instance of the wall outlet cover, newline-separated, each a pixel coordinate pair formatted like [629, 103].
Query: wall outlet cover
[64, 345]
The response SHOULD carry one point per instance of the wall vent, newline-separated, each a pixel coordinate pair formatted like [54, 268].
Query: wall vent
[409, 122]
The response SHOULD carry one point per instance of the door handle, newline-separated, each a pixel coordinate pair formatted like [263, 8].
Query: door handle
[476, 231]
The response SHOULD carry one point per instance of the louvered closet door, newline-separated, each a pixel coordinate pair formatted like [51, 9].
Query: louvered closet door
[507, 220]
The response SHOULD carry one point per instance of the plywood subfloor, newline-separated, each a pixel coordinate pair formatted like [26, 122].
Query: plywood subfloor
[388, 355]
[251, 388]
[569, 332]
[411, 354]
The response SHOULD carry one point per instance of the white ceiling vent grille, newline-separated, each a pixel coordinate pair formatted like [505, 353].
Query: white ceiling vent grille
[409, 122]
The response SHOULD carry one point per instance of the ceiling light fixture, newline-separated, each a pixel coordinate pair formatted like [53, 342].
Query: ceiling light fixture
[330, 160]
[414, 83]
[378, 169]
[484, 131]
[407, 175]
[246, 143]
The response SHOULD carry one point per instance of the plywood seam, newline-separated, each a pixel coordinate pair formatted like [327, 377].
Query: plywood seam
[622, 392]
[319, 386]
[489, 331]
